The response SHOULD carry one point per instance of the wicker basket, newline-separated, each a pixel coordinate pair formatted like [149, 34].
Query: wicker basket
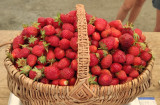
[35, 93]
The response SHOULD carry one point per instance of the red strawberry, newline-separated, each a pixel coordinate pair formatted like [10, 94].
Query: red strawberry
[33, 41]
[143, 37]
[88, 17]
[126, 41]
[42, 60]
[116, 24]
[106, 61]
[143, 63]
[67, 73]
[126, 80]
[31, 31]
[35, 74]
[96, 70]
[67, 18]
[96, 36]
[58, 32]
[72, 13]
[73, 43]
[93, 49]
[138, 31]
[55, 64]
[31, 60]
[49, 30]
[106, 71]
[115, 67]
[21, 62]
[50, 56]
[56, 23]
[40, 67]
[116, 43]
[52, 40]
[127, 68]
[96, 43]
[18, 41]
[107, 43]
[63, 63]
[67, 34]
[91, 29]
[100, 24]
[137, 61]
[44, 80]
[67, 26]
[59, 53]
[51, 72]
[15, 52]
[38, 50]
[49, 21]
[127, 29]
[74, 64]
[121, 75]
[93, 60]
[105, 33]
[134, 73]
[146, 56]
[107, 27]
[70, 54]
[55, 82]
[119, 56]
[41, 20]
[134, 50]
[115, 81]
[104, 80]
[72, 81]
[75, 24]
[24, 52]
[115, 32]
[64, 44]
[129, 59]
[75, 34]
[63, 82]
[102, 53]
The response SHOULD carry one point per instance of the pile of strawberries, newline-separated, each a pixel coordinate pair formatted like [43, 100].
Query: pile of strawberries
[46, 51]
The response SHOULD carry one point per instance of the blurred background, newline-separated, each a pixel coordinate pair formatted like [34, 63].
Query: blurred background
[14, 13]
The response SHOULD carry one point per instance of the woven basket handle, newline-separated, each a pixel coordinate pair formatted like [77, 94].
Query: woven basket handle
[81, 89]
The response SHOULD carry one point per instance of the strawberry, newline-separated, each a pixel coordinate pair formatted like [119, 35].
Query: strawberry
[70, 54]
[73, 43]
[21, 62]
[55, 64]
[92, 79]
[55, 82]
[138, 31]
[75, 34]
[93, 60]
[134, 73]
[104, 80]
[24, 52]
[49, 21]
[40, 67]
[127, 29]
[75, 24]
[115, 32]
[44, 80]
[134, 50]
[106, 33]
[143, 37]
[93, 49]
[121, 75]
[18, 41]
[35, 74]
[64, 44]
[67, 26]
[31, 60]
[129, 59]
[15, 52]
[96, 36]
[88, 17]
[73, 13]
[116, 24]
[53, 40]
[67, 73]
[67, 34]
[143, 63]
[106, 61]
[141, 46]
[100, 24]
[126, 80]
[115, 81]
[41, 20]
[67, 18]
[59, 53]
[119, 56]
[42, 60]
[91, 29]
[116, 43]
[72, 81]
[63, 63]
[126, 41]
[50, 56]
[102, 53]
[107, 43]
[25, 69]
[38, 50]
[51, 72]
[32, 41]
[57, 23]
[106, 71]
[127, 68]
[115, 67]
[96, 70]
[74, 64]
[146, 56]
[94, 42]
[49, 30]
[63, 82]
[137, 61]
[31, 31]
[58, 32]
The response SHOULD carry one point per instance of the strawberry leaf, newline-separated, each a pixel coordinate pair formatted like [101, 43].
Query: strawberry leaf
[58, 19]
[103, 46]
[136, 38]
[32, 39]
[42, 34]
[105, 53]
[42, 59]
[35, 24]
[25, 25]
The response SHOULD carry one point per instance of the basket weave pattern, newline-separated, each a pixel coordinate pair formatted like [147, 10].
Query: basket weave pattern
[35, 93]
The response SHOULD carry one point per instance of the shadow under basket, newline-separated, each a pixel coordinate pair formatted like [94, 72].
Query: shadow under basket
[35, 93]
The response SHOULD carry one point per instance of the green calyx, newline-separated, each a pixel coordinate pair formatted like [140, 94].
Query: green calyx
[21, 62]
[25, 69]
[97, 55]
[42, 59]
[143, 45]
[35, 24]
[38, 73]
[103, 46]
[58, 19]
[128, 25]
[105, 53]
[139, 68]
[25, 25]
[92, 79]
[136, 38]
[32, 39]
[92, 20]
[46, 45]
[43, 35]
[9, 55]
[52, 61]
